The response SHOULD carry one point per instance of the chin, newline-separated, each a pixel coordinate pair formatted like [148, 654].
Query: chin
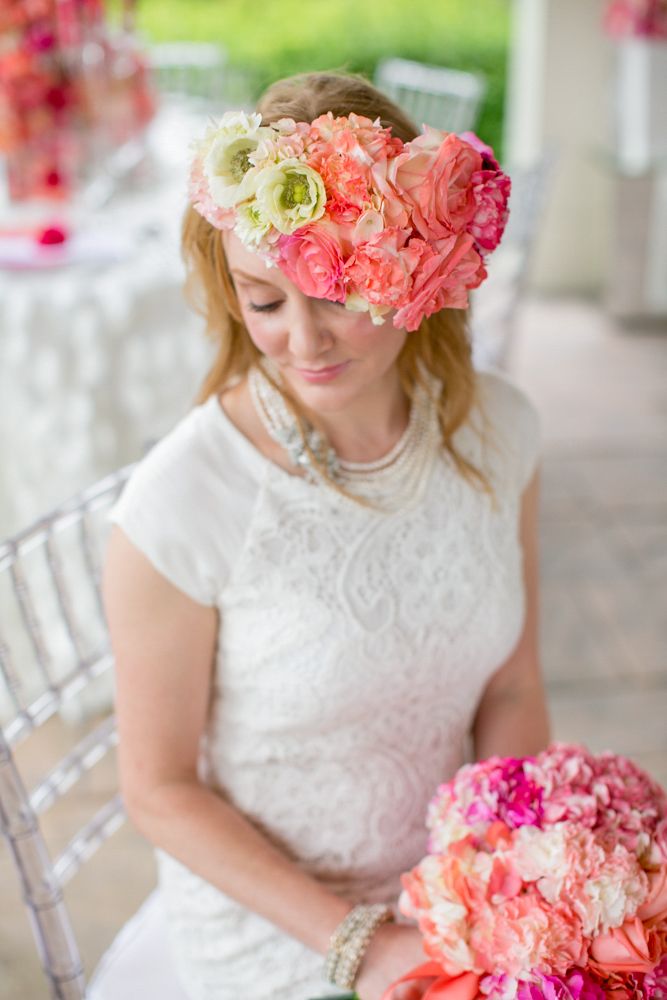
[326, 397]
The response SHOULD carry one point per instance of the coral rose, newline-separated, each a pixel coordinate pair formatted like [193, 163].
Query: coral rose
[380, 271]
[629, 948]
[434, 174]
[654, 908]
[446, 270]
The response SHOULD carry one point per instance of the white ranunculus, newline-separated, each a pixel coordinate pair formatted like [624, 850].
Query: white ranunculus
[251, 224]
[290, 194]
[231, 176]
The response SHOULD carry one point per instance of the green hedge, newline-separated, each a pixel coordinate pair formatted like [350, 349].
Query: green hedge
[275, 38]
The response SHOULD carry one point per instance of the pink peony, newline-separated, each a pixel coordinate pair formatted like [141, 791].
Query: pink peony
[312, 259]
[489, 161]
[654, 984]
[575, 985]
[434, 175]
[444, 273]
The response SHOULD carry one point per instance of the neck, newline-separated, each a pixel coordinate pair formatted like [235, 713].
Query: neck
[368, 428]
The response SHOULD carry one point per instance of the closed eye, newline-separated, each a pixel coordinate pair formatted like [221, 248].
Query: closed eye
[269, 307]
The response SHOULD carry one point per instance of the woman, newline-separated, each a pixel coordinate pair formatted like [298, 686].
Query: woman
[323, 581]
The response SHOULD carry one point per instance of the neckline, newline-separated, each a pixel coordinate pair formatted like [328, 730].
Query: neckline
[376, 465]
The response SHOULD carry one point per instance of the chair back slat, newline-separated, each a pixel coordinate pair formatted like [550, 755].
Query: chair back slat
[31, 621]
[433, 95]
[42, 890]
[109, 818]
[87, 752]
[54, 563]
[91, 558]
[54, 643]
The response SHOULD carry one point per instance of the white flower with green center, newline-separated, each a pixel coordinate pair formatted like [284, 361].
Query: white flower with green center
[290, 194]
[226, 151]
[251, 225]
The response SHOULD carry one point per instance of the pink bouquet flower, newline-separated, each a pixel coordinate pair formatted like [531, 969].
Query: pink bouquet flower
[545, 879]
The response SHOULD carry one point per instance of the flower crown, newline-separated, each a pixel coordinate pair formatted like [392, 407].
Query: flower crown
[351, 213]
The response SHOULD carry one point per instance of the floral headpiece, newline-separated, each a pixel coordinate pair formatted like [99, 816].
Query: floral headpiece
[351, 213]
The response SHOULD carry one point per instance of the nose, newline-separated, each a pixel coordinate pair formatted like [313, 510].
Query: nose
[309, 336]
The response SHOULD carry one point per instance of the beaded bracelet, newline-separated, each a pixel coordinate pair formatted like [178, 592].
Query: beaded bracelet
[351, 939]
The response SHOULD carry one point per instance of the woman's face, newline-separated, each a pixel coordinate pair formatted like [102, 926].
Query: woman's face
[328, 354]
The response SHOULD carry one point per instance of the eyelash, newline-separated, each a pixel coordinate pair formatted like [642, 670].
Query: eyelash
[269, 307]
[272, 306]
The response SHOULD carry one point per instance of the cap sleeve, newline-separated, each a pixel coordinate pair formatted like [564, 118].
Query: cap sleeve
[160, 511]
[531, 441]
[516, 428]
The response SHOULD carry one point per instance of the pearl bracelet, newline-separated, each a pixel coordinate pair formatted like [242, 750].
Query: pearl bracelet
[350, 940]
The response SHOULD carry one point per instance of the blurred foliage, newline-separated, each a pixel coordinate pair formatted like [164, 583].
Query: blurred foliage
[276, 38]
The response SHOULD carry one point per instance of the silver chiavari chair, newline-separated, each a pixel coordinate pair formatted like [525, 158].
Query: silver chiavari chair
[54, 650]
[444, 98]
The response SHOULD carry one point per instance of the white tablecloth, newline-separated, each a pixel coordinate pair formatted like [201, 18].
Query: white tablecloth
[99, 358]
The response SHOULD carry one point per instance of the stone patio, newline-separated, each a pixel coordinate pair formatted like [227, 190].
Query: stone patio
[601, 394]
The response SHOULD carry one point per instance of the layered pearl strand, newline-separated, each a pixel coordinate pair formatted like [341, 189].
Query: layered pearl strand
[391, 483]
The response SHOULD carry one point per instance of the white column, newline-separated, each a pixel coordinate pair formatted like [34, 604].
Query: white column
[559, 98]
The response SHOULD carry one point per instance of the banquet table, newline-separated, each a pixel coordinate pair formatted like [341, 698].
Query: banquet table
[99, 353]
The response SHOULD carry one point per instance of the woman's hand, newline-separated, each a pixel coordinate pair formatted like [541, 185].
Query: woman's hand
[394, 950]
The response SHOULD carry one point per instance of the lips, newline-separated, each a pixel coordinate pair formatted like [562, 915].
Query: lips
[322, 374]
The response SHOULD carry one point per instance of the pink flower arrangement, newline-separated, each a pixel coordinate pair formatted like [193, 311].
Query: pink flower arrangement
[352, 214]
[546, 879]
[638, 18]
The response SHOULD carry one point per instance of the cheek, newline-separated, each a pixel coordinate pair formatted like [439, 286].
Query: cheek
[381, 342]
[266, 335]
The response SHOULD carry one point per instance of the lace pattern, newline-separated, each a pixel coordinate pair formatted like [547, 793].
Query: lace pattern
[341, 633]
[353, 650]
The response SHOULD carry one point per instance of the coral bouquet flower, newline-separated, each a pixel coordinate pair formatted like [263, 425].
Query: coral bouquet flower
[351, 213]
[545, 879]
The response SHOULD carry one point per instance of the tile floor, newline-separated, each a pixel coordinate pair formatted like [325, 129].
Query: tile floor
[601, 394]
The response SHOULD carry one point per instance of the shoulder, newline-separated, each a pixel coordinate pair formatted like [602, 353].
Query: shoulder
[512, 426]
[186, 503]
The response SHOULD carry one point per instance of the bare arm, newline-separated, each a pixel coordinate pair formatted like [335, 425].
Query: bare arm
[512, 718]
[164, 646]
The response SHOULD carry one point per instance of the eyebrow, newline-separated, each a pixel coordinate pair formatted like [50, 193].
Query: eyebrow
[251, 277]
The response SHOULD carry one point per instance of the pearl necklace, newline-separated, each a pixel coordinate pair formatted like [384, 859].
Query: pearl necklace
[391, 482]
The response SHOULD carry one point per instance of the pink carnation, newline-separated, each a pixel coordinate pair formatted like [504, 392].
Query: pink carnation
[491, 191]
[354, 135]
[607, 793]
[312, 259]
[442, 277]
[347, 185]
[434, 175]
[525, 933]
[381, 269]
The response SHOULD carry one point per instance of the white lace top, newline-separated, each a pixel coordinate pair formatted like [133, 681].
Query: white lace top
[353, 650]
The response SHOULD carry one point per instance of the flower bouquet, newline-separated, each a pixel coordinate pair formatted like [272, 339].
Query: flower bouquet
[546, 879]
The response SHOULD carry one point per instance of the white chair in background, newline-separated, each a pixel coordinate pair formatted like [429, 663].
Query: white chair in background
[444, 98]
[199, 72]
[54, 645]
[494, 304]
